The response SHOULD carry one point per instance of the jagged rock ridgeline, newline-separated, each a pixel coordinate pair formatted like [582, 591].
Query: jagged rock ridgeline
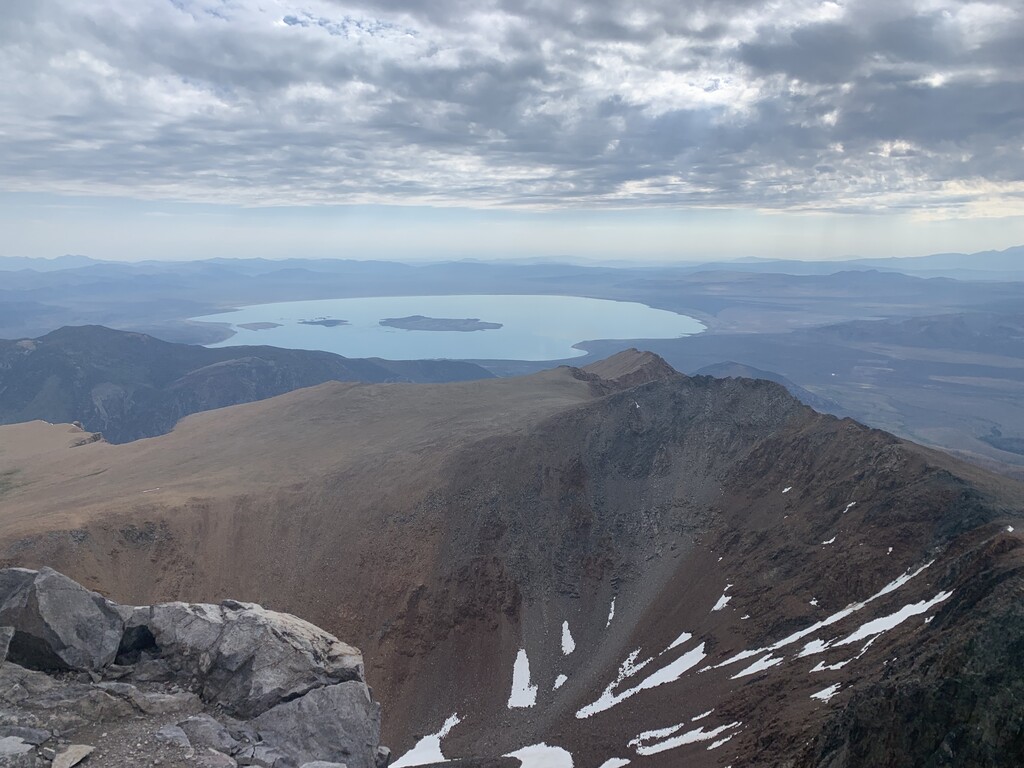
[254, 686]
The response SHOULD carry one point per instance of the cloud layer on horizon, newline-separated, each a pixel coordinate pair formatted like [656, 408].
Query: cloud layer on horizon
[851, 106]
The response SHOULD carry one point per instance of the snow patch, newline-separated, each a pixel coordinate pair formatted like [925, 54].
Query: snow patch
[701, 716]
[542, 756]
[523, 694]
[723, 600]
[849, 506]
[611, 614]
[849, 610]
[428, 749]
[885, 623]
[678, 641]
[821, 666]
[827, 693]
[830, 541]
[720, 742]
[614, 762]
[1009, 529]
[814, 602]
[668, 674]
[560, 681]
[690, 737]
[568, 644]
[813, 647]
[787, 489]
[758, 666]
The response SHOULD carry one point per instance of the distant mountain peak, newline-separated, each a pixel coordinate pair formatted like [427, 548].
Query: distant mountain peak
[631, 367]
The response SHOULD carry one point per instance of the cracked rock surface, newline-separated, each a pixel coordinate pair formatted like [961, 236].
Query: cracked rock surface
[174, 684]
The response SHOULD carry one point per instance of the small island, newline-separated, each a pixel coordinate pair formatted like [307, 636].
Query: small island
[326, 322]
[259, 326]
[421, 323]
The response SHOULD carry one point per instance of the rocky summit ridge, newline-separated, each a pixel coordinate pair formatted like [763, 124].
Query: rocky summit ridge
[173, 684]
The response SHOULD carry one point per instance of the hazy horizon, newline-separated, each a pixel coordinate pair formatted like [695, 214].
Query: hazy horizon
[390, 130]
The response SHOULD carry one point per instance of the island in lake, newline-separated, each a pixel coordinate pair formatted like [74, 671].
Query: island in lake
[259, 326]
[326, 322]
[421, 323]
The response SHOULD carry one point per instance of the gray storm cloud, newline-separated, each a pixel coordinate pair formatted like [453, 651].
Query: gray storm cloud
[859, 105]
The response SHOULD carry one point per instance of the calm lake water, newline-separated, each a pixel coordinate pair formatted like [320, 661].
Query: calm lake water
[533, 327]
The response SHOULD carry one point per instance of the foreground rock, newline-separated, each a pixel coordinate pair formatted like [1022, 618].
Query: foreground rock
[229, 684]
[58, 624]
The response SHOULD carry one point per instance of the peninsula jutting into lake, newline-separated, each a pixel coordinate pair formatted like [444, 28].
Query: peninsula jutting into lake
[421, 323]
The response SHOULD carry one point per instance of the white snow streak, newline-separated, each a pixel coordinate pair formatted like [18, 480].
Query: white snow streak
[849, 506]
[835, 617]
[787, 489]
[720, 742]
[701, 716]
[668, 674]
[885, 623]
[428, 749]
[827, 693]
[678, 641]
[523, 694]
[542, 756]
[758, 666]
[821, 666]
[560, 681]
[830, 541]
[690, 737]
[568, 644]
[615, 762]
[611, 614]
[723, 600]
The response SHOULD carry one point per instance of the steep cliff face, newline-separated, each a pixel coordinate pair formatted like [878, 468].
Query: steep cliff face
[617, 562]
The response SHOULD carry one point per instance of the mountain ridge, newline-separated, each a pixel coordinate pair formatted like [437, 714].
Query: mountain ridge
[130, 385]
[524, 506]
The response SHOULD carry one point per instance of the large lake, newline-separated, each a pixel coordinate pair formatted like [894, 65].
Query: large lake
[533, 327]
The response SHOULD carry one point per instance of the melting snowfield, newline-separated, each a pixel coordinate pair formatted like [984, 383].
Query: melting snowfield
[523, 693]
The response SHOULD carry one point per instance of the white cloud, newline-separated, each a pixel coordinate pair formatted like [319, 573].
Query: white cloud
[734, 103]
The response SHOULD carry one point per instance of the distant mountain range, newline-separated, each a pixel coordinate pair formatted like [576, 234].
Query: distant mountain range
[981, 265]
[130, 385]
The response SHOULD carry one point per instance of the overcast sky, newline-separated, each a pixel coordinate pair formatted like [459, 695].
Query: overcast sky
[608, 129]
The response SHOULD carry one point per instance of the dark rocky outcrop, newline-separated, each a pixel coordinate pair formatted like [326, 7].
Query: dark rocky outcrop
[247, 685]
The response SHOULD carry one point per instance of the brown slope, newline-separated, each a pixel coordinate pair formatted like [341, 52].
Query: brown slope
[445, 528]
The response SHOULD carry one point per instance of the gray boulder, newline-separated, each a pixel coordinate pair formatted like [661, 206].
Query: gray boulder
[203, 731]
[15, 753]
[339, 723]
[34, 736]
[58, 624]
[246, 659]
